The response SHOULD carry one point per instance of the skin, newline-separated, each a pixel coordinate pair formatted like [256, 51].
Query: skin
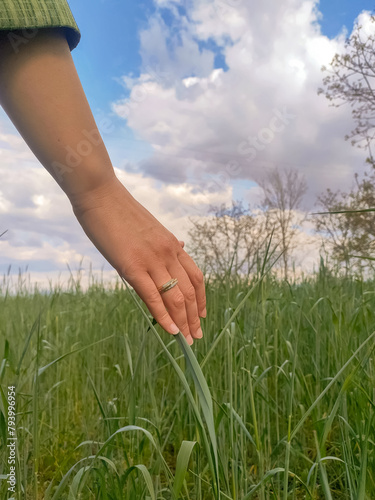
[41, 92]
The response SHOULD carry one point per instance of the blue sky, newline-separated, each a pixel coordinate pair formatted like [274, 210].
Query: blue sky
[339, 13]
[109, 46]
[185, 91]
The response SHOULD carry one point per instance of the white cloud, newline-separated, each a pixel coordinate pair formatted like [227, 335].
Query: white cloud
[228, 88]
[197, 116]
[364, 21]
[42, 233]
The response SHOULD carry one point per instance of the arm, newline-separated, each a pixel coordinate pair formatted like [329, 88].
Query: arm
[42, 94]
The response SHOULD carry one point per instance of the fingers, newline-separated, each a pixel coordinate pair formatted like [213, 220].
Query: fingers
[174, 301]
[197, 280]
[188, 291]
[179, 308]
[148, 292]
[189, 294]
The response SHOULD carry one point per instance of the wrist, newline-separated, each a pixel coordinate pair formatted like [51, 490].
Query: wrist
[98, 195]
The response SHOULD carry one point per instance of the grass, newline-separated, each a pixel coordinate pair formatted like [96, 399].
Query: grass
[275, 402]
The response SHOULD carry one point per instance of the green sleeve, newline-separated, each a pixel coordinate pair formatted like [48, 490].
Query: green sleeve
[34, 14]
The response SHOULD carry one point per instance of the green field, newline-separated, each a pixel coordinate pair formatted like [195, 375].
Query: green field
[290, 368]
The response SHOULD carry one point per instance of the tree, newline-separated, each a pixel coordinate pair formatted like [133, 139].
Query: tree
[351, 233]
[233, 240]
[230, 240]
[351, 80]
[283, 192]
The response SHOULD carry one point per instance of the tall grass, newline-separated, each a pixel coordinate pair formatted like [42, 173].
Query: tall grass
[276, 401]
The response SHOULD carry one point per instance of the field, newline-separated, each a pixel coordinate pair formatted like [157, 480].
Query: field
[104, 413]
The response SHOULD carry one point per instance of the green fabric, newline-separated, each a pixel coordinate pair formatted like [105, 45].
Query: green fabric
[29, 14]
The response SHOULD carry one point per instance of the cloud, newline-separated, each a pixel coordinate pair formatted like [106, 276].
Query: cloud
[203, 119]
[227, 89]
[42, 233]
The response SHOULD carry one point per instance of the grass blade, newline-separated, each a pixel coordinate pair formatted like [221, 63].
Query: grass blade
[182, 463]
[332, 382]
[80, 349]
[146, 476]
[203, 394]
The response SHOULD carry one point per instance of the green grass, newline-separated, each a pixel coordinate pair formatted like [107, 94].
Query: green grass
[111, 407]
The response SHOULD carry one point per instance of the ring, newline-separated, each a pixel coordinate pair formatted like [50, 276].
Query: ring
[168, 285]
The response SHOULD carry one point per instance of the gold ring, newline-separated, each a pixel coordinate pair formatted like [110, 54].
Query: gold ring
[168, 285]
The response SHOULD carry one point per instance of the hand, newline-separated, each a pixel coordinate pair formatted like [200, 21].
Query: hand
[146, 255]
[41, 92]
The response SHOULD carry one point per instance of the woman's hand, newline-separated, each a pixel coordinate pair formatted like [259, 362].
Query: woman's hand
[41, 92]
[146, 255]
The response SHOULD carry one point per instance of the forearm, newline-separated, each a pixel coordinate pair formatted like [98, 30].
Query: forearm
[42, 94]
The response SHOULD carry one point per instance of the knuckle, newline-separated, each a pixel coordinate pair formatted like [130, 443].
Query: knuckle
[184, 327]
[130, 271]
[153, 297]
[178, 300]
[198, 278]
[190, 294]
[165, 246]
[195, 325]
[162, 318]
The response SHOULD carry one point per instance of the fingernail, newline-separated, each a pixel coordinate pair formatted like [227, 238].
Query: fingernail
[174, 329]
[204, 313]
[199, 333]
[189, 340]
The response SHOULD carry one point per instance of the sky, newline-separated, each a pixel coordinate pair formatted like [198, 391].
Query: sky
[180, 90]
